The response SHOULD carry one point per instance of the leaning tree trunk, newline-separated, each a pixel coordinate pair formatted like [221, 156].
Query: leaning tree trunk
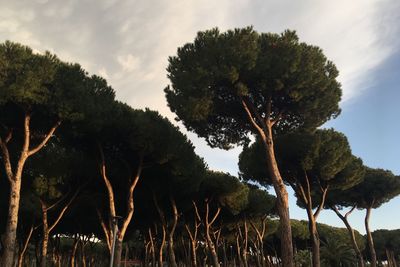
[282, 206]
[351, 233]
[26, 243]
[264, 128]
[369, 238]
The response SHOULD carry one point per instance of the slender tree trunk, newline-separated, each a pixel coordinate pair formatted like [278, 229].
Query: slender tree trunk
[26, 243]
[282, 203]
[118, 253]
[260, 238]
[160, 253]
[312, 226]
[210, 243]
[264, 128]
[152, 249]
[45, 238]
[351, 233]
[171, 234]
[14, 177]
[12, 222]
[369, 238]
[73, 252]
[238, 250]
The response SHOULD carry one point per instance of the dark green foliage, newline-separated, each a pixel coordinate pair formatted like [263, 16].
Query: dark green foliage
[210, 76]
[334, 253]
[387, 241]
[226, 189]
[260, 202]
[377, 187]
[325, 157]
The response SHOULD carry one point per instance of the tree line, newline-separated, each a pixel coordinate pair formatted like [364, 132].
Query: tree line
[86, 175]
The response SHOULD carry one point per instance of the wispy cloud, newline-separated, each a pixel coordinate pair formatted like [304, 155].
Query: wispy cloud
[129, 42]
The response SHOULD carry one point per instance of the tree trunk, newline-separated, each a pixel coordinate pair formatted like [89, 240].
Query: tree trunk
[14, 177]
[152, 249]
[369, 238]
[73, 252]
[12, 222]
[171, 234]
[282, 202]
[26, 243]
[351, 233]
[118, 253]
[264, 128]
[312, 226]
[160, 253]
[45, 238]
[210, 243]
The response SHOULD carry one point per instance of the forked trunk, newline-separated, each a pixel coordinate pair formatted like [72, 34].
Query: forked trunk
[14, 177]
[351, 233]
[369, 238]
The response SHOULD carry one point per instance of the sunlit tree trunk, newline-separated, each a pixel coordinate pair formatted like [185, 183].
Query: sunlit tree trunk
[14, 177]
[263, 126]
[369, 238]
[351, 233]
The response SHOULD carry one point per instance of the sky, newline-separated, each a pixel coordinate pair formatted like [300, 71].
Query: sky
[128, 43]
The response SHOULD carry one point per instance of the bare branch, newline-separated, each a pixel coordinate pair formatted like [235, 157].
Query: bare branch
[61, 214]
[45, 140]
[216, 215]
[322, 204]
[250, 116]
[350, 211]
[105, 230]
[6, 161]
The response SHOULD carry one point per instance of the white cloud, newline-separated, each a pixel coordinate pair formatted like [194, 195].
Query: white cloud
[129, 62]
[128, 42]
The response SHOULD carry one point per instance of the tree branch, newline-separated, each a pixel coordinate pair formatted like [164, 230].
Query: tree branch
[45, 140]
[64, 209]
[107, 182]
[215, 216]
[6, 161]
[250, 116]
[350, 211]
[105, 230]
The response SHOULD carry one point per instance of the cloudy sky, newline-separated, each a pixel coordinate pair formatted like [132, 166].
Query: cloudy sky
[128, 43]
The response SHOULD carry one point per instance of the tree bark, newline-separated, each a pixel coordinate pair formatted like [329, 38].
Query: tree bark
[152, 249]
[210, 243]
[45, 238]
[14, 177]
[118, 253]
[351, 233]
[264, 128]
[22, 253]
[171, 232]
[160, 252]
[260, 238]
[369, 238]
[73, 252]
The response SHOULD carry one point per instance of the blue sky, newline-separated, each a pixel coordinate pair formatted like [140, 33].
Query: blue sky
[128, 43]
